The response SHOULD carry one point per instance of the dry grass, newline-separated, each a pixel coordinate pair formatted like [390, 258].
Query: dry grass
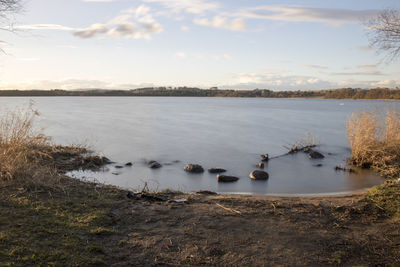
[27, 156]
[375, 140]
[21, 155]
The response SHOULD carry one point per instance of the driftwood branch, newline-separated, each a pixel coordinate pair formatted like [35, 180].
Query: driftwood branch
[228, 209]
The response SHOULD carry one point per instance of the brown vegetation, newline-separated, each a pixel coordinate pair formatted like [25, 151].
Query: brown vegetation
[28, 158]
[375, 140]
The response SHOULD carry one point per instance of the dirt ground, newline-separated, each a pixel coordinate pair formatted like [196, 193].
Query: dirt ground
[91, 225]
[236, 230]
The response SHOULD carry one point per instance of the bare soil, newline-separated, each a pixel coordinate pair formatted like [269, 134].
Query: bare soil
[237, 230]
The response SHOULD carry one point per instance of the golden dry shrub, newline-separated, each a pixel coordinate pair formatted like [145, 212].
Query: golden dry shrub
[21, 149]
[374, 138]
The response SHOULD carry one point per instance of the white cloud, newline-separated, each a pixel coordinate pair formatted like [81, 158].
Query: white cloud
[44, 27]
[181, 55]
[71, 84]
[224, 57]
[237, 24]
[367, 66]
[135, 23]
[357, 73]
[101, 1]
[92, 30]
[277, 81]
[188, 6]
[318, 67]
[28, 59]
[185, 28]
[330, 16]
[387, 83]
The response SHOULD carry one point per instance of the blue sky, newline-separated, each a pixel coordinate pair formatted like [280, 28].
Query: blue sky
[124, 44]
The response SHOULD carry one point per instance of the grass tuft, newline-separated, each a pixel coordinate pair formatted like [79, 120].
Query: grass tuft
[375, 141]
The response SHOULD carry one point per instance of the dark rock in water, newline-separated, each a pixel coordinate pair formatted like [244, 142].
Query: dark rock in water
[206, 192]
[129, 164]
[176, 161]
[150, 197]
[315, 155]
[318, 165]
[115, 173]
[265, 157]
[226, 178]
[130, 195]
[119, 167]
[260, 165]
[194, 168]
[350, 170]
[259, 175]
[154, 164]
[216, 170]
[106, 160]
[97, 161]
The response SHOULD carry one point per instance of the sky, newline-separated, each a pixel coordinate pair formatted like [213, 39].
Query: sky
[235, 44]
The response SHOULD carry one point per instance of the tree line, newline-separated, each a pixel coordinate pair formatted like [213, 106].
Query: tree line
[344, 93]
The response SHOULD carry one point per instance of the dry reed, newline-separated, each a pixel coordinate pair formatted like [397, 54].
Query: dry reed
[374, 138]
[21, 153]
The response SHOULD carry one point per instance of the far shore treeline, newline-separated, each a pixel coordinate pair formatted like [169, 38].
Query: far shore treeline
[344, 93]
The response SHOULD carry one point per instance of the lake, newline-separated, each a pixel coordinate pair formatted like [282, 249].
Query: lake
[229, 133]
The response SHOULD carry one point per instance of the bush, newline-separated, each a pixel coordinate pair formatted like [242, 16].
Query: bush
[21, 146]
[374, 138]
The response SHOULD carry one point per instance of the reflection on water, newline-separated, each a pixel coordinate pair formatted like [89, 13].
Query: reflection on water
[230, 133]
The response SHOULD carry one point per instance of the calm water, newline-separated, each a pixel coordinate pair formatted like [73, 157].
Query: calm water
[230, 133]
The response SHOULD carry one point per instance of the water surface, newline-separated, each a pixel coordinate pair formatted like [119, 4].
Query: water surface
[230, 133]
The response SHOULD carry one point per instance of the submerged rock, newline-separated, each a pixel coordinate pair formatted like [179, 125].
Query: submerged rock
[315, 155]
[96, 161]
[265, 157]
[206, 192]
[226, 178]
[317, 165]
[216, 170]
[259, 175]
[350, 170]
[129, 164]
[119, 167]
[194, 168]
[154, 164]
[105, 160]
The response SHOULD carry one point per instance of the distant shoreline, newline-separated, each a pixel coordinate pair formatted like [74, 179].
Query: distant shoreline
[387, 94]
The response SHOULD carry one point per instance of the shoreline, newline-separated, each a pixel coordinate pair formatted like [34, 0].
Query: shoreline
[162, 96]
[105, 225]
